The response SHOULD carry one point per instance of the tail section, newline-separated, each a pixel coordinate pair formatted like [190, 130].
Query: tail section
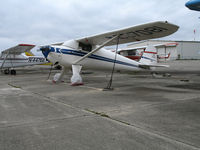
[149, 56]
[149, 59]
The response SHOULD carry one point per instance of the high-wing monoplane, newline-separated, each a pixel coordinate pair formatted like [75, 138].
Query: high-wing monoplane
[89, 52]
[15, 57]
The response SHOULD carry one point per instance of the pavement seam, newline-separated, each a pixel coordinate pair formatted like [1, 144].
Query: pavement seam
[103, 115]
[159, 135]
[153, 133]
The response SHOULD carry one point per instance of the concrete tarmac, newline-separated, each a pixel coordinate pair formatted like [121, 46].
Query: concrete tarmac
[143, 112]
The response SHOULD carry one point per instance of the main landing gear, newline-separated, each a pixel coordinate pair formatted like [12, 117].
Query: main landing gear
[75, 79]
[8, 71]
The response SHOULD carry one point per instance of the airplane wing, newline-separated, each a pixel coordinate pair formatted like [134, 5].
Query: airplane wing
[132, 34]
[17, 50]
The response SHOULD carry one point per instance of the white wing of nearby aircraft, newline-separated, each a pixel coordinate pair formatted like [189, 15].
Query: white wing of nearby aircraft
[88, 52]
[13, 57]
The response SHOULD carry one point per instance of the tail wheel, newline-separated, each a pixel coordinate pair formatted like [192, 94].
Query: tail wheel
[13, 72]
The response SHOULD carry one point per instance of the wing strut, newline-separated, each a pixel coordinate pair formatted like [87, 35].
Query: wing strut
[96, 49]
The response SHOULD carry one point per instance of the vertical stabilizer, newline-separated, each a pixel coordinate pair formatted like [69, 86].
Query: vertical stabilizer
[149, 56]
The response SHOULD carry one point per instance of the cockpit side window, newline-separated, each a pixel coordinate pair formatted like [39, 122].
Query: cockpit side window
[85, 47]
[131, 52]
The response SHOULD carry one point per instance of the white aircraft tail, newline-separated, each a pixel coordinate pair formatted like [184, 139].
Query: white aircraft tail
[149, 59]
[149, 56]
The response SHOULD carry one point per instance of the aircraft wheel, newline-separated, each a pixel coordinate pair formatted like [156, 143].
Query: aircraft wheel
[6, 71]
[58, 67]
[13, 72]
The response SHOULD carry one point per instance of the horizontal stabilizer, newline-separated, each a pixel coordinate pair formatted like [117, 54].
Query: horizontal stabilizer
[149, 66]
[149, 58]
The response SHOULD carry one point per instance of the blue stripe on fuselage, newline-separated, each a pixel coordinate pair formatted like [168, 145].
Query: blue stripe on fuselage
[81, 54]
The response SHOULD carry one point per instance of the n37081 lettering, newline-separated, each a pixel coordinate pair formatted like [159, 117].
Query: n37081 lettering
[35, 59]
[137, 33]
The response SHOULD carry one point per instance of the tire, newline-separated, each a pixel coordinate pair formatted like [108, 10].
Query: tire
[13, 72]
[58, 67]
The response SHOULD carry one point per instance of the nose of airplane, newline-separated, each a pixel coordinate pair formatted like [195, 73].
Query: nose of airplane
[193, 5]
[188, 3]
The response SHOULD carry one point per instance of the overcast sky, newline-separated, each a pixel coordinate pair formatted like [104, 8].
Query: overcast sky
[48, 21]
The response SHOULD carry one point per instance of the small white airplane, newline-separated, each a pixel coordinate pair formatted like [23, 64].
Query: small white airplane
[88, 52]
[15, 57]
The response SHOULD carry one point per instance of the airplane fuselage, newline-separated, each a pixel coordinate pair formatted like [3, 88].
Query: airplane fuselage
[100, 60]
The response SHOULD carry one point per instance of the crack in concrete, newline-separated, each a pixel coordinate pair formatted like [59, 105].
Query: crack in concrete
[153, 133]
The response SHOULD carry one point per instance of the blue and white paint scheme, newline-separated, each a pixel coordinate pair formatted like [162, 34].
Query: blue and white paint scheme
[89, 52]
[193, 5]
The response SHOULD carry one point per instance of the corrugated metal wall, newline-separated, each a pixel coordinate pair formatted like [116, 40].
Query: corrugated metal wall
[188, 50]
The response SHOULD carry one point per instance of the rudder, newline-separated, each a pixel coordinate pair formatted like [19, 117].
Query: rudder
[149, 56]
